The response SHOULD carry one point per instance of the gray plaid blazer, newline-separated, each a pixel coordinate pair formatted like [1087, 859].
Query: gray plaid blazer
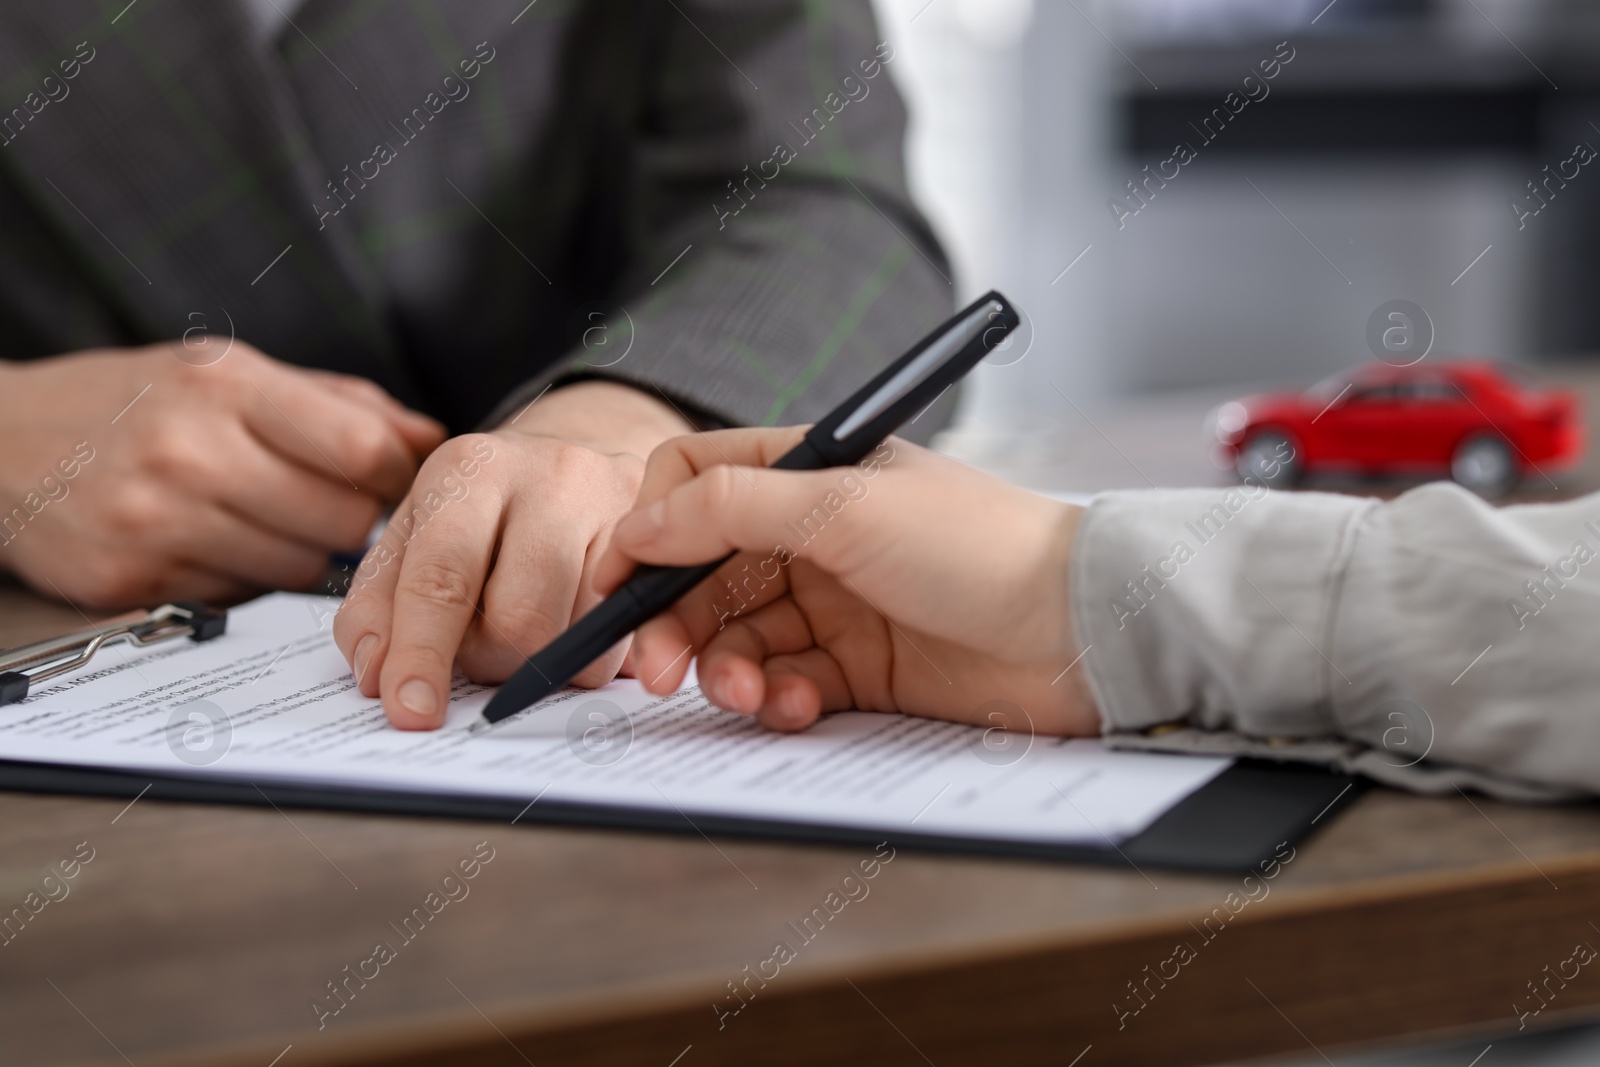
[465, 201]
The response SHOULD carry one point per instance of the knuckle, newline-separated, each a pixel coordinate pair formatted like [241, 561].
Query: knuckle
[520, 621]
[155, 363]
[364, 444]
[473, 443]
[459, 460]
[365, 387]
[222, 384]
[174, 455]
[243, 359]
[565, 461]
[434, 581]
[448, 455]
[247, 352]
[135, 514]
[721, 487]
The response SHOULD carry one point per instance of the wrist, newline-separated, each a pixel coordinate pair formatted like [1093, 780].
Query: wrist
[1006, 561]
[606, 416]
[1073, 709]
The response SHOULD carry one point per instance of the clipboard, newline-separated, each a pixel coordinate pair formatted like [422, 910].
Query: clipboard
[1231, 825]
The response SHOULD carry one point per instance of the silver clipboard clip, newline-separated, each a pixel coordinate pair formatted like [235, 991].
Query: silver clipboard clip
[21, 667]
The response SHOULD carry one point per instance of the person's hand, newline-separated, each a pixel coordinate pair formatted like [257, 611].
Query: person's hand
[492, 553]
[911, 584]
[130, 476]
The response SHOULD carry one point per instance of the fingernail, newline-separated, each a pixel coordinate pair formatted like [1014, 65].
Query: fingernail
[364, 650]
[418, 697]
[713, 690]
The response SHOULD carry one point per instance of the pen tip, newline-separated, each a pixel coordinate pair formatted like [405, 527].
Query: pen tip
[479, 725]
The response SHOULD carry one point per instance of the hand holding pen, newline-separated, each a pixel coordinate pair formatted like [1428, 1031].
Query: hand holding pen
[907, 583]
[843, 437]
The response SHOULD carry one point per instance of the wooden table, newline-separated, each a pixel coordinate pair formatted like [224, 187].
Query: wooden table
[202, 935]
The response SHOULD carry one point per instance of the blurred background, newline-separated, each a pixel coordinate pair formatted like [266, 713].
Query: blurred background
[1382, 161]
[1390, 157]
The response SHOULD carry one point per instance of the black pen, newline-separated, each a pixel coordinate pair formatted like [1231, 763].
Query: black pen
[853, 429]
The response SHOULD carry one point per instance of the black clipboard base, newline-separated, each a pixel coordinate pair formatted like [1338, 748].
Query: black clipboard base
[1231, 825]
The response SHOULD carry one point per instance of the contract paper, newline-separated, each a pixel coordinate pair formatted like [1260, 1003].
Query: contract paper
[272, 701]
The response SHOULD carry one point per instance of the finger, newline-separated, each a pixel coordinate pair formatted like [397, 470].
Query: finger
[422, 432]
[268, 491]
[728, 508]
[659, 654]
[216, 540]
[435, 600]
[365, 622]
[800, 689]
[361, 628]
[737, 587]
[182, 582]
[730, 665]
[529, 598]
[609, 665]
[302, 420]
[139, 583]
[678, 460]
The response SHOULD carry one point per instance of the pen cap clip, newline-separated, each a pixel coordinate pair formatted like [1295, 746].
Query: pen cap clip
[915, 380]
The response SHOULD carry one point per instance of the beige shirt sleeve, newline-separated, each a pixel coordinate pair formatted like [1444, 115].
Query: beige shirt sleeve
[1433, 641]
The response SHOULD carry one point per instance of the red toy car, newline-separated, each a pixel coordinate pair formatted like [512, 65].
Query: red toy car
[1484, 423]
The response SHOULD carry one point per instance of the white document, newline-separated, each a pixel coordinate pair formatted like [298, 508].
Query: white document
[272, 701]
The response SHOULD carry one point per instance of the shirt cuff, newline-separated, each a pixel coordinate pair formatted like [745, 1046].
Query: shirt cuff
[1213, 606]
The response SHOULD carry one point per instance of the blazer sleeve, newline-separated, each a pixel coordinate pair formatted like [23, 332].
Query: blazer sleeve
[1433, 641]
[777, 258]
